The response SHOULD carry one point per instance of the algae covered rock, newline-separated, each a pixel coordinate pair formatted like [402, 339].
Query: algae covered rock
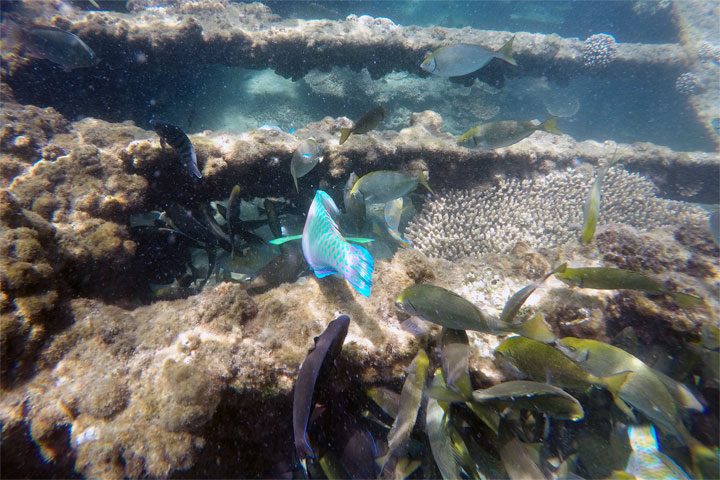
[189, 396]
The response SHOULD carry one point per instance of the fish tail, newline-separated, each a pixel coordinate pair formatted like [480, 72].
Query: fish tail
[424, 182]
[550, 126]
[296, 184]
[360, 268]
[301, 445]
[505, 52]
[685, 300]
[537, 329]
[12, 34]
[344, 134]
[704, 460]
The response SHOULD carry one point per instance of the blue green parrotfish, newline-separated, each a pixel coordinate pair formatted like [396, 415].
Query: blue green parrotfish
[327, 251]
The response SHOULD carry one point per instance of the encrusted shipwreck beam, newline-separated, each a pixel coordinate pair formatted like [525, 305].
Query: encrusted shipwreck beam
[250, 36]
[262, 157]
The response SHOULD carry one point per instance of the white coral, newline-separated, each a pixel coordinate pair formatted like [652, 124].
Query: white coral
[543, 212]
[599, 50]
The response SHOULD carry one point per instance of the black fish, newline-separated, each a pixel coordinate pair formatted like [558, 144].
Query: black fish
[320, 356]
[180, 142]
[233, 214]
[359, 453]
[285, 268]
[189, 226]
[273, 220]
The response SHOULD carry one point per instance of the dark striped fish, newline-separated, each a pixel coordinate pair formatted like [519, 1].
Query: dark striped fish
[180, 142]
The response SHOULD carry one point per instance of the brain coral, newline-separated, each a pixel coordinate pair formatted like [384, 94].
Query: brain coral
[542, 212]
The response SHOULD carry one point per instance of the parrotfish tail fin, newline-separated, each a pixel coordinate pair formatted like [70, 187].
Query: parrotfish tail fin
[550, 126]
[281, 240]
[361, 267]
[505, 53]
[344, 134]
[685, 300]
[537, 329]
[424, 182]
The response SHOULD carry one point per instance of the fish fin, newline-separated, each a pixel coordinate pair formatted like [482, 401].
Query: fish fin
[487, 415]
[615, 158]
[302, 446]
[704, 460]
[613, 384]
[194, 170]
[344, 134]
[537, 329]
[331, 208]
[13, 35]
[625, 408]
[296, 184]
[281, 240]
[685, 300]
[359, 240]
[444, 394]
[359, 274]
[423, 181]
[505, 52]
[324, 272]
[377, 229]
[550, 126]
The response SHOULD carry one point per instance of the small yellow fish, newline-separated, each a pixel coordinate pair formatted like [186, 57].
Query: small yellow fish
[601, 278]
[592, 204]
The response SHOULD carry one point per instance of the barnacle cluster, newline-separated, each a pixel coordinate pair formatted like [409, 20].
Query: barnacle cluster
[540, 212]
[688, 84]
[599, 50]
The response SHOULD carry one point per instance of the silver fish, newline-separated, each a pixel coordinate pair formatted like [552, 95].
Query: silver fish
[305, 157]
[464, 58]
